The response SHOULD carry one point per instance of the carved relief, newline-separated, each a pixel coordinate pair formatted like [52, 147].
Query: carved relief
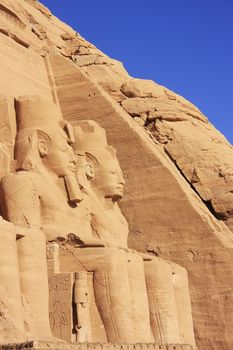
[60, 300]
[82, 307]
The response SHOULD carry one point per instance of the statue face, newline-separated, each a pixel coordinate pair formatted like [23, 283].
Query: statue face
[59, 155]
[109, 178]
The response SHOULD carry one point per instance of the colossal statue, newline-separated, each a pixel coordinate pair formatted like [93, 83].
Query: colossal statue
[33, 199]
[167, 284]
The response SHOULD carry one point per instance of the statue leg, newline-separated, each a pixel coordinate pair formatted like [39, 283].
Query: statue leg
[140, 303]
[34, 281]
[183, 302]
[163, 310]
[112, 291]
[9, 277]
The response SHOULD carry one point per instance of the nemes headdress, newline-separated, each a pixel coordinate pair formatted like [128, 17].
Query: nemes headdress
[38, 114]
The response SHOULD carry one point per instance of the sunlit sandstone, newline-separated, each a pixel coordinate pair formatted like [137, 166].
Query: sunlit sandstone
[177, 196]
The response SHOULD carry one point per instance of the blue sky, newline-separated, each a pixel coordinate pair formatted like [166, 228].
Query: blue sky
[186, 45]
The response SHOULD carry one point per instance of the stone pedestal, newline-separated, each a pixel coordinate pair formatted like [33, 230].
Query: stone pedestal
[94, 346]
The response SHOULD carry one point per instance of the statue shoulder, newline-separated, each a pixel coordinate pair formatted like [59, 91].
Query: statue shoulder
[20, 199]
[14, 181]
[19, 175]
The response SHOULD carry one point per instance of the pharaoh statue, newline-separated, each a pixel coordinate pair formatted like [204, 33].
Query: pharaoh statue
[165, 284]
[34, 202]
[118, 275]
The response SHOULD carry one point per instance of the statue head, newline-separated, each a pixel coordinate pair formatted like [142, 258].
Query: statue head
[43, 139]
[97, 160]
[48, 147]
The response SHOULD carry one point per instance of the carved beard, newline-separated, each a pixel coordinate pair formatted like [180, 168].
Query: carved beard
[73, 189]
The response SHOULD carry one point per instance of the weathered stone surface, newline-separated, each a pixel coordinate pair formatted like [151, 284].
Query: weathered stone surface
[64, 346]
[86, 60]
[160, 108]
[136, 106]
[60, 301]
[178, 186]
[43, 9]
[104, 75]
[201, 162]
[142, 88]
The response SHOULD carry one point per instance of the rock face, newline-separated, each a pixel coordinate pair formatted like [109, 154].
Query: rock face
[178, 168]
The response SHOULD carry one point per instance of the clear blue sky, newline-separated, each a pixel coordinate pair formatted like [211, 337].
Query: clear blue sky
[186, 45]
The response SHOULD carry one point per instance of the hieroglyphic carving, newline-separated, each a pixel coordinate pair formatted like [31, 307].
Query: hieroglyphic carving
[96, 346]
[60, 305]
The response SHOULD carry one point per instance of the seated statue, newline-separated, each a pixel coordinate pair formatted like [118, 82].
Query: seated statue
[166, 283]
[36, 204]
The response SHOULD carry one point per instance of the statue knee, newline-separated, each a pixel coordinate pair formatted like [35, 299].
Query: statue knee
[158, 272]
[112, 261]
[179, 271]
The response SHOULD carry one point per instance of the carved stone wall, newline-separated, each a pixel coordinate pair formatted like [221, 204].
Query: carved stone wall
[59, 346]
[60, 305]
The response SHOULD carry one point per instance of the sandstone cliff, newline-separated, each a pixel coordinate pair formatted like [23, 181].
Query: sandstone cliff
[178, 167]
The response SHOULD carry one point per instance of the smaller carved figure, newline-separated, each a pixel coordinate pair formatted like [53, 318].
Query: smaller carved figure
[81, 300]
[58, 319]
